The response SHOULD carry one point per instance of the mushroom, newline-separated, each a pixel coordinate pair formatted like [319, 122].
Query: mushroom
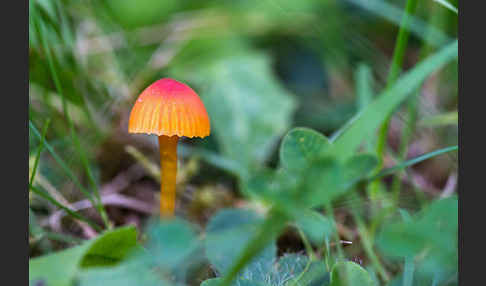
[169, 109]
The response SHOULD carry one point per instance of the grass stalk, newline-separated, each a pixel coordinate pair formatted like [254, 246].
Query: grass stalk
[395, 69]
[72, 213]
[367, 242]
[408, 163]
[39, 151]
[98, 204]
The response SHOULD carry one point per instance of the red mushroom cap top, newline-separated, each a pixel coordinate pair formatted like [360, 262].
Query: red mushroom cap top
[168, 107]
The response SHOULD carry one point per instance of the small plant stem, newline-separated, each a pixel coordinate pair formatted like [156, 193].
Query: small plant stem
[168, 174]
[367, 243]
[413, 161]
[152, 169]
[408, 270]
[407, 132]
[330, 214]
[396, 67]
[307, 245]
[271, 228]
[411, 123]
[74, 214]
[37, 158]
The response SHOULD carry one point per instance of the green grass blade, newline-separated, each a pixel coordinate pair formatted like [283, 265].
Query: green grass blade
[99, 206]
[385, 9]
[74, 214]
[62, 164]
[364, 85]
[447, 5]
[39, 151]
[366, 121]
[395, 69]
[413, 161]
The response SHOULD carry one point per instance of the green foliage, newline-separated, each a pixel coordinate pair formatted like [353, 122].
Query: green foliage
[308, 177]
[348, 274]
[430, 237]
[300, 146]
[107, 249]
[171, 250]
[250, 118]
[145, 12]
[89, 60]
[227, 234]
[317, 227]
[171, 243]
[368, 120]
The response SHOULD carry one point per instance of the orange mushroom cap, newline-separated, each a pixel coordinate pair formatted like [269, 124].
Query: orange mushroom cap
[168, 107]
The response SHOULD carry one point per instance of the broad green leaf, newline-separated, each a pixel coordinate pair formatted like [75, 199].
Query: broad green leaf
[60, 268]
[226, 236]
[430, 237]
[358, 167]
[370, 118]
[238, 282]
[314, 274]
[319, 183]
[56, 269]
[289, 267]
[322, 182]
[349, 274]
[169, 250]
[171, 242]
[315, 226]
[249, 109]
[128, 273]
[300, 146]
[111, 248]
[211, 282]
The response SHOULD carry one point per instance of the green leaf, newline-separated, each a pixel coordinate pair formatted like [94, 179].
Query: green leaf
[358, 167]
[322, 182]
[226, 236]
[128, 273]
[170, 250]
[349, 273]
[289, 267]
[447, 5]
[171, 242]
[430, 237]
[142, 13]
[111, 248]
[370, 118]
[211, 282]
[315, 226]
[290, 264]
[300, 146]
[314, 274]
[60, 268]
[239, 282]
[247, 119]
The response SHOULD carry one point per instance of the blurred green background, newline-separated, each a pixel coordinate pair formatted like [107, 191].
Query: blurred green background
[261, 68]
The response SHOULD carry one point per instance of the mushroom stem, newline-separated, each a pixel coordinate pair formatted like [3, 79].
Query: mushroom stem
[168, 174]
